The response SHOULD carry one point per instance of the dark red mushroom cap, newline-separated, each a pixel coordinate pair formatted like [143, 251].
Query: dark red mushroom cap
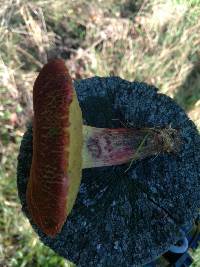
[57, 142]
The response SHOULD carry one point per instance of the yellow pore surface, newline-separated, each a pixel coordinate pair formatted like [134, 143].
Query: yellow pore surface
[75, 151]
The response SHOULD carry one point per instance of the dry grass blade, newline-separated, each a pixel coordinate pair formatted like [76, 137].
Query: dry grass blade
[36, 29]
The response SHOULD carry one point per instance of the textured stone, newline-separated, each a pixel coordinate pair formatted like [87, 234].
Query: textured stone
[126, 219]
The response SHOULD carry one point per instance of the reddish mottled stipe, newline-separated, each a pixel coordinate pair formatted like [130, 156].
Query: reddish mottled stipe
[48, 182]
[109, 147]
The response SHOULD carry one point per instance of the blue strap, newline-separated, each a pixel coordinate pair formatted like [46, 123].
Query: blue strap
[178, 255]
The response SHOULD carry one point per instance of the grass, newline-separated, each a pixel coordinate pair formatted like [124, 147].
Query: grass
[154, 41]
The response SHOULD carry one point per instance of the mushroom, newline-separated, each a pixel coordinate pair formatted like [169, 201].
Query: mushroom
[63, 146]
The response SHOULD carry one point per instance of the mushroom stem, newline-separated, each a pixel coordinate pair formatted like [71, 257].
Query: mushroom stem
[108, 147]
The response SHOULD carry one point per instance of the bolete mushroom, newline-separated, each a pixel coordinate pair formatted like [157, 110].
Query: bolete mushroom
[63, 146]
[124, 218]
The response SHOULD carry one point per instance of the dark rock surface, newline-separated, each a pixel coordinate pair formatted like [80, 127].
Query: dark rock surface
[126, 219]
